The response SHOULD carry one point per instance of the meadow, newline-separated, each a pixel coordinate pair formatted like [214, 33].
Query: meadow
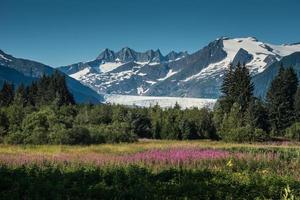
[151, 169]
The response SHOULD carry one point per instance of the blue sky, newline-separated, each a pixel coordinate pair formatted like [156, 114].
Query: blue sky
[61, 32]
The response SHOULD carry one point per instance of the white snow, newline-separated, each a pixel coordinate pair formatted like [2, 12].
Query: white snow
[78, 75]
[147, 63]
[211, 69]
[141, 63]
[254, 47]
[154, 63]
[109, 66]
[140, 90]
[285, 50]
[257, 49]
[3, 57]
[164, 102]
[169, 74]
[151, 82]
[142, 74]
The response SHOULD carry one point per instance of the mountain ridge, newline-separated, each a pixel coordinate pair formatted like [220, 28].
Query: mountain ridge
[19, 70]
[185, 75]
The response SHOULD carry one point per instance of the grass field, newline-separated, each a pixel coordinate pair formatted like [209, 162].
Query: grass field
[162, 169]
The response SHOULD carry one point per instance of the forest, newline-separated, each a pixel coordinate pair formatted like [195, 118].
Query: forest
[45, 113]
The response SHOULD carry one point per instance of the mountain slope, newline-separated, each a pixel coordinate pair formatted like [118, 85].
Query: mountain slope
[18, 70]
[199, 74]
[123, 72]
[264, 79]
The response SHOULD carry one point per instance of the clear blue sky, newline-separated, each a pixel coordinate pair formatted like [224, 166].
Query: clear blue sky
[61, 32]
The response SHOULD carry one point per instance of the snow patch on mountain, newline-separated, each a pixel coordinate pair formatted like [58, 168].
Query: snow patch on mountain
[257, 49]
[80, 74]
[285, 50]
[4, 58]
[211, 69]
[169, 74]
[109, 66]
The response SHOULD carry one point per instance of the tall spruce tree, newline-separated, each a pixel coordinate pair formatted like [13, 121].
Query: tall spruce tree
[226, 87]
[297, 104]
[62, 92]
[242, 86]
[6, 94]
[236, 88]
[281, 100]
[21, 96]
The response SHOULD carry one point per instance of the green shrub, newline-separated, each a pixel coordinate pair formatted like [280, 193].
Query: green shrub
[76, 135]
[37, 136]
[118, 132]
[59, 136]
[132, 182]
[15, 138]
[260, 135]
[246, 134]
[293, 132]
[97, 134]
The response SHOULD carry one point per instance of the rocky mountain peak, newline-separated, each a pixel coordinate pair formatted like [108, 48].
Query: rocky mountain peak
[107, 55]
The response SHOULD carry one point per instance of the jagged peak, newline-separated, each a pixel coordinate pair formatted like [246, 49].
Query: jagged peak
[106, 54]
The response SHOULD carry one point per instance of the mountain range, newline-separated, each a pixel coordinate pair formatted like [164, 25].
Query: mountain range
[150, 73]
[199, 74]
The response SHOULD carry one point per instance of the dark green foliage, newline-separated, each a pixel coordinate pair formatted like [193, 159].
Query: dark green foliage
[6, 94]
[52, 89]
[297, 104]
[77, 135]
[4, 124]
[293, 132]
[246, 134]
[53, 182]
[238, 116]
[21, 96]
[281, 98]
[94, 124]
[236, 88]
[257, 115]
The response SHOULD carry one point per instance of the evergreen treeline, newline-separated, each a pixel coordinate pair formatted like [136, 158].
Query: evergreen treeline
[239, 116]
[47, 90]
[45, 112]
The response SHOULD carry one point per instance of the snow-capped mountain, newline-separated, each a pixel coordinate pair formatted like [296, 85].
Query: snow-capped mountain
[176, 74]
[126, 67]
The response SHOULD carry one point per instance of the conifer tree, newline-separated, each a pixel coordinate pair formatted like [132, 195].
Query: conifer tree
[226, 87]
[280, 99]
[297, 104]
[6, 94]
[21, 96]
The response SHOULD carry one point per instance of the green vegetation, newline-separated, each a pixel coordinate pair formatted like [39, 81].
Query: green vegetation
[45, 113]
[240, 117]
[148, 169]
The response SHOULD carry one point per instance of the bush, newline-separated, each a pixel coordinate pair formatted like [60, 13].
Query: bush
[14, 138]
[118, 132]
[260, 135]
[240, 134]
[37, 136]
[55, 182]
[59, 136]
[97, 134]
[76, 135]
[293, 131]
[246, 134]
